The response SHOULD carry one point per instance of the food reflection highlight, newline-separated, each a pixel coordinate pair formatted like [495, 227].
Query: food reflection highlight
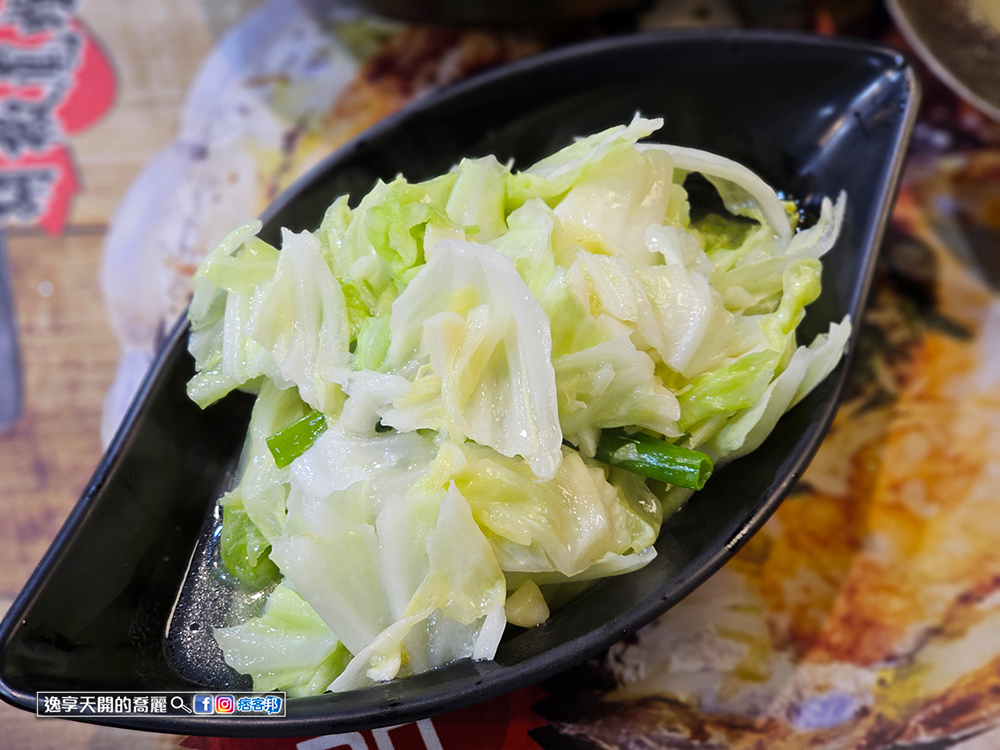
[480, 393]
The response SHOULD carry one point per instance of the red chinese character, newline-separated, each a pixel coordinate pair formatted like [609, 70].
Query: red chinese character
[55, 80]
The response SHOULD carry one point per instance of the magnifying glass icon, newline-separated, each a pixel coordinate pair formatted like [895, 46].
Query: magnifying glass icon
[178, 703]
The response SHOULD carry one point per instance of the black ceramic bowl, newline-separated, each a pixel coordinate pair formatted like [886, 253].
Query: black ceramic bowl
[812, 116]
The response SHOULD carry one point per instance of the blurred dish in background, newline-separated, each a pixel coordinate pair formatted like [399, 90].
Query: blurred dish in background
[481, 12]
[960, 41]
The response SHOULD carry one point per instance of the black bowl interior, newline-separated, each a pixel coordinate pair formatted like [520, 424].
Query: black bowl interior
[812, 116]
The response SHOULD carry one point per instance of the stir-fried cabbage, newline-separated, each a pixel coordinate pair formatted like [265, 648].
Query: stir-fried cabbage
[436, 367]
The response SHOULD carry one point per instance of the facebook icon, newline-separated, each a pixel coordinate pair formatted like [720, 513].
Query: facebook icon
[204, 704]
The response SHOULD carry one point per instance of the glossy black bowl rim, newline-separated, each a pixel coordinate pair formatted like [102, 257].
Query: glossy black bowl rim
[497, 681]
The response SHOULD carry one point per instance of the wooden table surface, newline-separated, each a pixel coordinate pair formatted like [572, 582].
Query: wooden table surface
[68, 351]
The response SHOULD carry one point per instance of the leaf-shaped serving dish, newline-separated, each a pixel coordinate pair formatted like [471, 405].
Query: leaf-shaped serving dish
[812, 116]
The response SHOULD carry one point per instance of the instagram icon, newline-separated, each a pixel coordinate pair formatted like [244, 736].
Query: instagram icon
[224, 704]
